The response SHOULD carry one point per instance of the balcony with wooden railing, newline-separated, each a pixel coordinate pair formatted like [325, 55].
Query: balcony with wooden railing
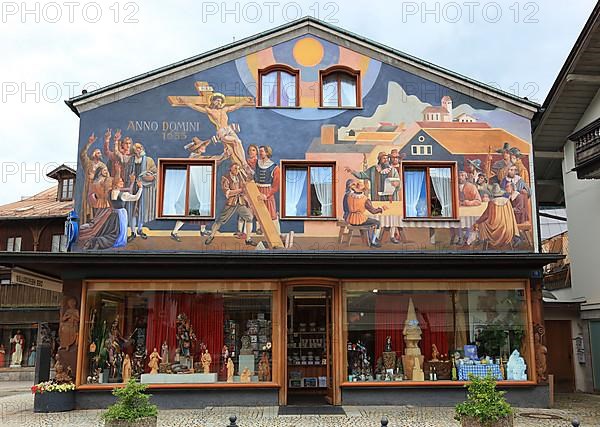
[587, 151]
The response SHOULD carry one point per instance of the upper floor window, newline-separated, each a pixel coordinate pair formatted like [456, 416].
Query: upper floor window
[13, 244]
[59, 243]
[186, 189]
[429, 190]
[308, 190]
[66, 189]
[278, 86]
[421, 150]
[340, 87]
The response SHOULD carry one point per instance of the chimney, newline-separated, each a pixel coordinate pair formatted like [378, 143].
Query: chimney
[328, 134]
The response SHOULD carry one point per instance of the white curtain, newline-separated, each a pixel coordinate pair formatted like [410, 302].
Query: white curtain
[295, 184]
[269, 89]
[348, 84]
[174, 192]
[288, 90]
[322, 179]
[201, 189]
[442, 184]
[330, 91]
[414, 181]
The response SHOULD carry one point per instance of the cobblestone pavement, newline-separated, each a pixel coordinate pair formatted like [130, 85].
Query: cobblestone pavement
[16, 410]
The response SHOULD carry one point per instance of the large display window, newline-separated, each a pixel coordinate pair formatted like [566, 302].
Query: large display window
[420, 331]
[184, 333]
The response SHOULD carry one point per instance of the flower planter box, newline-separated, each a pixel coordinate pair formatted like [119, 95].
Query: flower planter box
[142, 422]
[474, 422]
[54, 401]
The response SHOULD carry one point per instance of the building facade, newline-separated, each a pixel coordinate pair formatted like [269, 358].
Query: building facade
[300, 215]
[567, 137]
[32, 224]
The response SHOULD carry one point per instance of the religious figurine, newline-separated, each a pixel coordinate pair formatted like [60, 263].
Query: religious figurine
[246, 375]
[69, 325]
[417, 372]
[31, 358]
[388, 343]
[412, 335]
[17, 355]
[540, 352]
[230, 369]
[516, 367]
[434, 353]
[206, 360]
[185, 339]
[2, 356]
[264, 370]
[154, 361]
[164, 352]
[126, 370]
[62, 376]
[246, 346]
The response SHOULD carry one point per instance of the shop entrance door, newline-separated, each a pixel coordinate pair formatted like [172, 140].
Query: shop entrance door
[309, 365]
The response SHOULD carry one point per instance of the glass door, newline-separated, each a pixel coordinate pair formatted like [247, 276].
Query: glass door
[309, 362]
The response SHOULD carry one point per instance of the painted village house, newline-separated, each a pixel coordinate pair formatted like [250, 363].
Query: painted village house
[30, 303]
[303, 214]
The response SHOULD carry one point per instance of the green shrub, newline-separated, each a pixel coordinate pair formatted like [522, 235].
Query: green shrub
[484, 402]
[132, 403]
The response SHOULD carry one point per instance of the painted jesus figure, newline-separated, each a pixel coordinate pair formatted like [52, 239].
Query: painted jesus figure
[226, 132]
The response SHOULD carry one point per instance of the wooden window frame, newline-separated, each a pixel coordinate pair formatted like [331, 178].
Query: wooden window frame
[61, 237]
[14, 242]
[163, 165]
[278, 68]
[285, 164]
[69, 189]
[412, 165]
[340, 69]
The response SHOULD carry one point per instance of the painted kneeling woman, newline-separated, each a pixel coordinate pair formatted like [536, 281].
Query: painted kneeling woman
[109, 228]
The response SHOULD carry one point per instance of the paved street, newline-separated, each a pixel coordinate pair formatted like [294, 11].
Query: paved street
[16, 410]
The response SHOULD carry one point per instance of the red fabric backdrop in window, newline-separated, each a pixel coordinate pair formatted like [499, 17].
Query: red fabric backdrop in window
[434, 312]
[205, 313]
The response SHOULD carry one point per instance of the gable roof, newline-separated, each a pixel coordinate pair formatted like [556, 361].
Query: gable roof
[471, 141]
[41, 205]
[574, 89]
[302, 26]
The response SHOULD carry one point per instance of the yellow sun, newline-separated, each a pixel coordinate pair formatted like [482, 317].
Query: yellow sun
[308, 52]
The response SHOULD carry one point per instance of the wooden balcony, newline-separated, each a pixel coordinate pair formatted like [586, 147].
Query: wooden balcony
[587, 151]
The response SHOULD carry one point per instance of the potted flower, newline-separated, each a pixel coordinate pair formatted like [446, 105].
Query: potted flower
[485, 406]
[51, 396]
[133, 408]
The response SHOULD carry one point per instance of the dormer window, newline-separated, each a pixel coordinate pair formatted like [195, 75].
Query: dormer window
[66, 189]
[340, 88]
[278, 86]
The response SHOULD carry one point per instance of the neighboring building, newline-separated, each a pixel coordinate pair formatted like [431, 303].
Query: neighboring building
[35, 224]
[567, 140]
[240, 243]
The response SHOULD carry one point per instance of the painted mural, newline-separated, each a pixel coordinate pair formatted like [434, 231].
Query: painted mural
[195, 164]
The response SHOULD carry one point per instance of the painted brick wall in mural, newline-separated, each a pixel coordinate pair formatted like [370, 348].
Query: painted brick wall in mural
[198, 164]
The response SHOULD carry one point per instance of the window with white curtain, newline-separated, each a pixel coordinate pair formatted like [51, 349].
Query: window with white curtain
[13, 244]
[429, 191]
[309, 190]
[59, 243]
[187, 189]
[340, 88]
[278, 87]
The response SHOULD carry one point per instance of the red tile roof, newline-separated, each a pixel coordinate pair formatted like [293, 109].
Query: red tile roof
[42, 205]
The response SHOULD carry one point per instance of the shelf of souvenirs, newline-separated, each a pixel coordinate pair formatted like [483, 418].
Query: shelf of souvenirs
[438, 383]
[110, 386]
[306, 332]
[307, 365]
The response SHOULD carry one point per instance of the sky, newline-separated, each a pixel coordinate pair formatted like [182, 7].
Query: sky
[53, 50]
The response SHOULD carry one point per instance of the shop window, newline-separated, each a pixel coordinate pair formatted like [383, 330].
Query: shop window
[278, 86]
[176, 337]
[13, 244]
[59, 243]
[452, 333]
[429, 191]
[186, 189]
[308, 190]
[340, 87]
[66, 190]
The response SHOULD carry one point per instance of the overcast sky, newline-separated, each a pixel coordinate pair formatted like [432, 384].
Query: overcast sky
[52, 50]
